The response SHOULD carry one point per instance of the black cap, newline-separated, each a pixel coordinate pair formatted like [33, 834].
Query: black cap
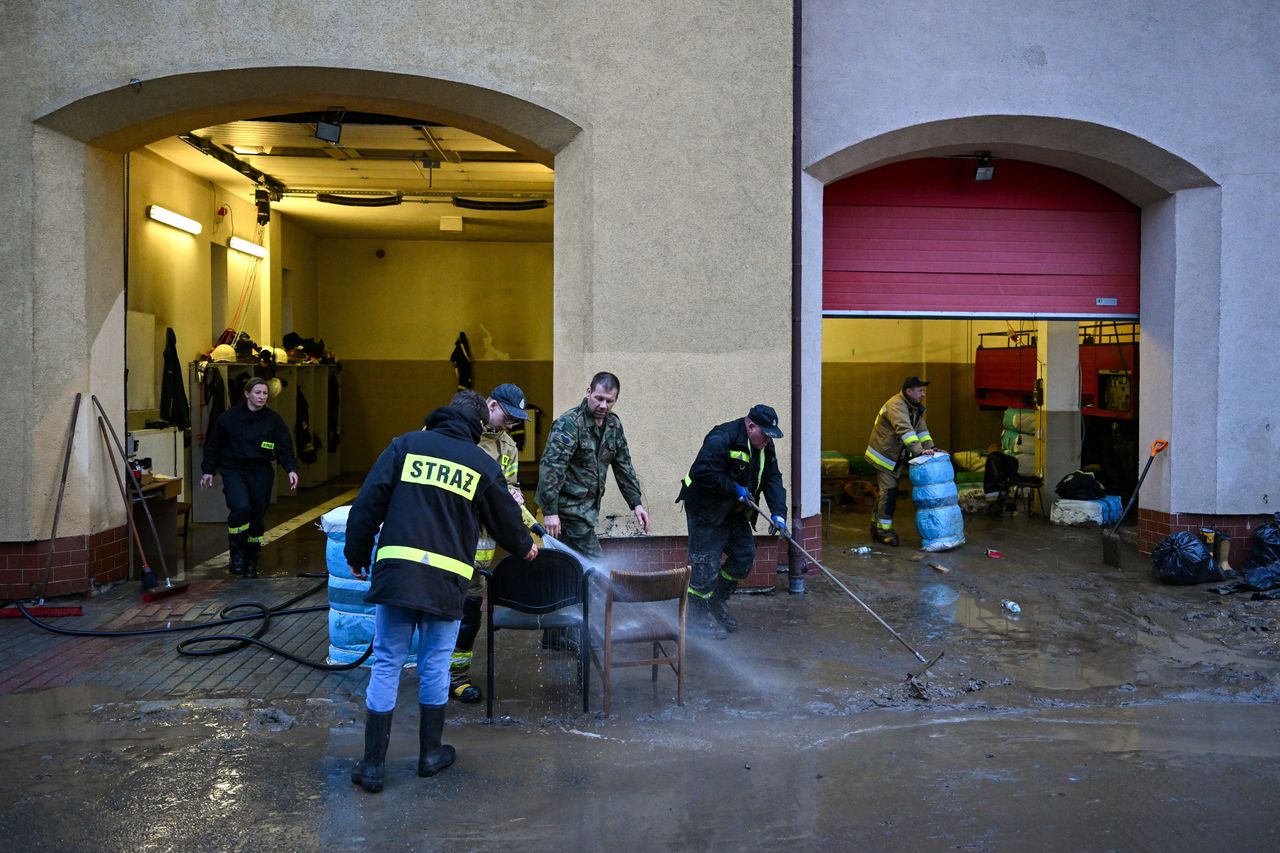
[511, 399]
[766, 418]
[913, 382]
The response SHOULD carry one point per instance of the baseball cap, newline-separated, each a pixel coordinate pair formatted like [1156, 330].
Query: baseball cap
[511, 399]
[913, 382]
[766, 418]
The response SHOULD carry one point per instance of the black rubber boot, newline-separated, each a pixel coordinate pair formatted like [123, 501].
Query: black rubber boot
[433, 756]
[236, 566]
[251, 566]
[884, 537]
[718, 604]
[466, 693]
[369, 771]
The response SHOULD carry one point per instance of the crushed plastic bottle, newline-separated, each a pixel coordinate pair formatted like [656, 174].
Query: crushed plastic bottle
[1011, 605]
[861, 550]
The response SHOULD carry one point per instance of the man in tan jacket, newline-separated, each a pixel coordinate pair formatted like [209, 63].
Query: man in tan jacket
[900, 433]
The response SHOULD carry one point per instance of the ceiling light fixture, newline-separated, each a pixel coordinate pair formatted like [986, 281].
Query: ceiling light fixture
[985, 170]
[472, 204]
[247, 247]
[360, 200]
[173, 220]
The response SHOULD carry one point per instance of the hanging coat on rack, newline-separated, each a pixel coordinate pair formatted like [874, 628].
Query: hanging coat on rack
[215, 399]
[174, 407]
[335, 436]
[461, 358]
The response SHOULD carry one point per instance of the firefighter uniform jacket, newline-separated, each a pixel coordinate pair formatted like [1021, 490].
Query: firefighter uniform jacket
[241, 438]
[728, 460]
[899, 426]
[430, 491]
[576, 462]
[501, 447]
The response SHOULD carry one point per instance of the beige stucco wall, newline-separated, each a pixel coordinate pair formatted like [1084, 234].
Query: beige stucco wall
[668, 123]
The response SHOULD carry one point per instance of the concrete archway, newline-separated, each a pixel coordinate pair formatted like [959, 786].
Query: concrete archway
[75, 308]
[1181, 245]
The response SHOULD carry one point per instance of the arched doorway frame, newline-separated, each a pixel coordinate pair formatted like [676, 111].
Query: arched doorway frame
[1181, 246]
[77, 302]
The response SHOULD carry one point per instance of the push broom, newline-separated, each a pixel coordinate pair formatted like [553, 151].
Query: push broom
[169, 587]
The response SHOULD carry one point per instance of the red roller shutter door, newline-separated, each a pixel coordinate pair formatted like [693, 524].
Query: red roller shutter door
[922, 238]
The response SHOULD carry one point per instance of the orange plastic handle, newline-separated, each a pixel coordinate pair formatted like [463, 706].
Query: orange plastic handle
[1158, 446]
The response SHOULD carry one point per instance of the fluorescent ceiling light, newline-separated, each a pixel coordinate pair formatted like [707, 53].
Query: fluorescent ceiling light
[174, 220]
[247, 247]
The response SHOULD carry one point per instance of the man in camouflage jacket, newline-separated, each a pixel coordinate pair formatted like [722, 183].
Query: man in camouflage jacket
[584, 443]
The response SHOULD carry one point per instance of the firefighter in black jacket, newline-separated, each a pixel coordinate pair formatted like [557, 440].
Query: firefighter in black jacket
[243, 443]
[737, 460]
[430, 491]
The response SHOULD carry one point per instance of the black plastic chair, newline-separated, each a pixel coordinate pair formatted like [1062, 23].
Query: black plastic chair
[549, 591]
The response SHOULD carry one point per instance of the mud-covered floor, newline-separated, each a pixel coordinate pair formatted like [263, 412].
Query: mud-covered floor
[1110, 713]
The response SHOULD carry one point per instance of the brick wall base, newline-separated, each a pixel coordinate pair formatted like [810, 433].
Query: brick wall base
[670, 552]
[1154, 526]
[79, 563]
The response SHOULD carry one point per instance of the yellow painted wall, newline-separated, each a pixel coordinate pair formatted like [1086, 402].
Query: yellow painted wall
[865, 361]
[393, 320]
[170, 271]
[412, 302]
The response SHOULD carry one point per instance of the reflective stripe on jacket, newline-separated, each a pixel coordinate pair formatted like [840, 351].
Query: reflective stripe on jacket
[430, 491]
[727, 460]
[899, 426]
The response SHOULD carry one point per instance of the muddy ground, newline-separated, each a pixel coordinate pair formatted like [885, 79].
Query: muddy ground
[1110, 713]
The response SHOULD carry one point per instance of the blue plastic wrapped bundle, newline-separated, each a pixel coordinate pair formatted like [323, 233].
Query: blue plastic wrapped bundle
[938, 517]
[350, 618]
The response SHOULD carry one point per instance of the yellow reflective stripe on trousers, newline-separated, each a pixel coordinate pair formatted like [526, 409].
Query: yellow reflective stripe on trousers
[234, 530]
[430, 558]
[879, 460]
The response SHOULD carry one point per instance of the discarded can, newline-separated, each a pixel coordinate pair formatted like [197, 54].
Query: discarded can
[993, 554]
[1011, 605]
[862, 549]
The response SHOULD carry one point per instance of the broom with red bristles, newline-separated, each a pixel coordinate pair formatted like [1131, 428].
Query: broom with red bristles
[154, 589]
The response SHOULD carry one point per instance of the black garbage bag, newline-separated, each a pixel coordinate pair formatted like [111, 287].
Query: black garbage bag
[1264, 548]
[1262, 581]
[1080, 486]
[1262, 578]
[1181, 559]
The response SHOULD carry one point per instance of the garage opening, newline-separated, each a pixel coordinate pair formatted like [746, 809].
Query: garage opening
[1014, 292]
[367, 264]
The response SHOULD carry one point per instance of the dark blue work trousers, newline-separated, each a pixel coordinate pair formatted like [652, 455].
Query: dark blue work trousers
[248, 492]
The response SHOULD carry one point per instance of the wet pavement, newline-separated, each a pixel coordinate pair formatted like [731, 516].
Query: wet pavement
[1110, 713]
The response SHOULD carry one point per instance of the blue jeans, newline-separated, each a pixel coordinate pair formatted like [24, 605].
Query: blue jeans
[392, 633]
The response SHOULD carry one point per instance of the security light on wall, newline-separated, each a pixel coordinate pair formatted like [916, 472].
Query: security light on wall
[248, 248]
[985, 171]
[328, 131]
[174, 220]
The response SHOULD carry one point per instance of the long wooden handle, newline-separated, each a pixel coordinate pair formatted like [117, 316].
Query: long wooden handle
[128, 508]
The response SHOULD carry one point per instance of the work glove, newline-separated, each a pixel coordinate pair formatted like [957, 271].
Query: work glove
[743, 493]
[779, 523]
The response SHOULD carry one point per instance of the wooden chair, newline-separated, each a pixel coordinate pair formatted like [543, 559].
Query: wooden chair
[636, 611]
[548, 592]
